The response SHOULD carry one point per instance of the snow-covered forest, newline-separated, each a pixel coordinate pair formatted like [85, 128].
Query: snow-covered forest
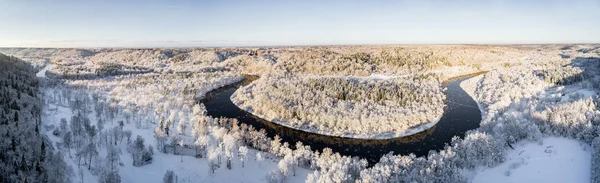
[357, 107]
[26, 155]
[133, 115]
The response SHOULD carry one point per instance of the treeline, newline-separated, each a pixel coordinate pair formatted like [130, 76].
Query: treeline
[345, 106]
[357, 63]
[25, 154]
[411, 60]
[561, 75]
[325, 62]
[350, 89]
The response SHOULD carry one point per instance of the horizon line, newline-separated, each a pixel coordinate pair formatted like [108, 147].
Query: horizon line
[290, 45]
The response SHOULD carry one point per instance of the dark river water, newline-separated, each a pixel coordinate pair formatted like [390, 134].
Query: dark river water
[460, 115]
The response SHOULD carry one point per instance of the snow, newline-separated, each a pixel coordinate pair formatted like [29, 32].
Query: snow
[374, 76]
[360, 119]
[557, 160]
[197, 170]
[186, 168]
[42, 73]
[378, 77]
[470, 86]
[52, 114]
[378, 136]
[552, 159]
[586, 93]
[578, 94]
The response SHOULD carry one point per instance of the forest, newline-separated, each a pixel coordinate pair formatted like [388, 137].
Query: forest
[345, 106]
[26, 155]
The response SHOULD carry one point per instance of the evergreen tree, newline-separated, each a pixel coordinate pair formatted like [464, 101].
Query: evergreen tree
[169, 177]
[16, 118]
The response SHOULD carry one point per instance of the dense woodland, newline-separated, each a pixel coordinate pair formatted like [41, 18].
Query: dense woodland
[345, 106]
[26, 155]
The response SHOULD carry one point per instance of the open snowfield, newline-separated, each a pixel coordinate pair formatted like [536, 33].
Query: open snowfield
[553, 160]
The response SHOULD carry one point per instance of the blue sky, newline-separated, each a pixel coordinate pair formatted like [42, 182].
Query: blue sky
[148, 23]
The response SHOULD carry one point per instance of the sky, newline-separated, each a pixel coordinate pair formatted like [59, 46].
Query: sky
[187, 23]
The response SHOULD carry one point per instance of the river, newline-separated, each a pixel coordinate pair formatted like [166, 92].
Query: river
[460, 115]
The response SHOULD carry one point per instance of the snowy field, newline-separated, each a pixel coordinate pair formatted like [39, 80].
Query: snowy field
[554, 160]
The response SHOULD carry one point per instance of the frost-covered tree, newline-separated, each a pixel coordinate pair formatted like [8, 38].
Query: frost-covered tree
[67, 141]
[141, 155]
[127, 134]
[112, 156]
[201, 142]
[91, 151]
[243, 154]
[182, 124]
[24, 156]
[110, 176]
[161, 137]
[175, 142]
[285, 165]
[213, 154]
[275, 177]
[60, 171]
[63, 125]
[170, 177]
[181, 143]
[230, 145]
[116, 134]
[276, 145]
[171, 121]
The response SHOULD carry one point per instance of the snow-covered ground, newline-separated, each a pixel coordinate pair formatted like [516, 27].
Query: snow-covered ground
[554, 160]
[470, 86]
[42, 73]
[186, 168]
